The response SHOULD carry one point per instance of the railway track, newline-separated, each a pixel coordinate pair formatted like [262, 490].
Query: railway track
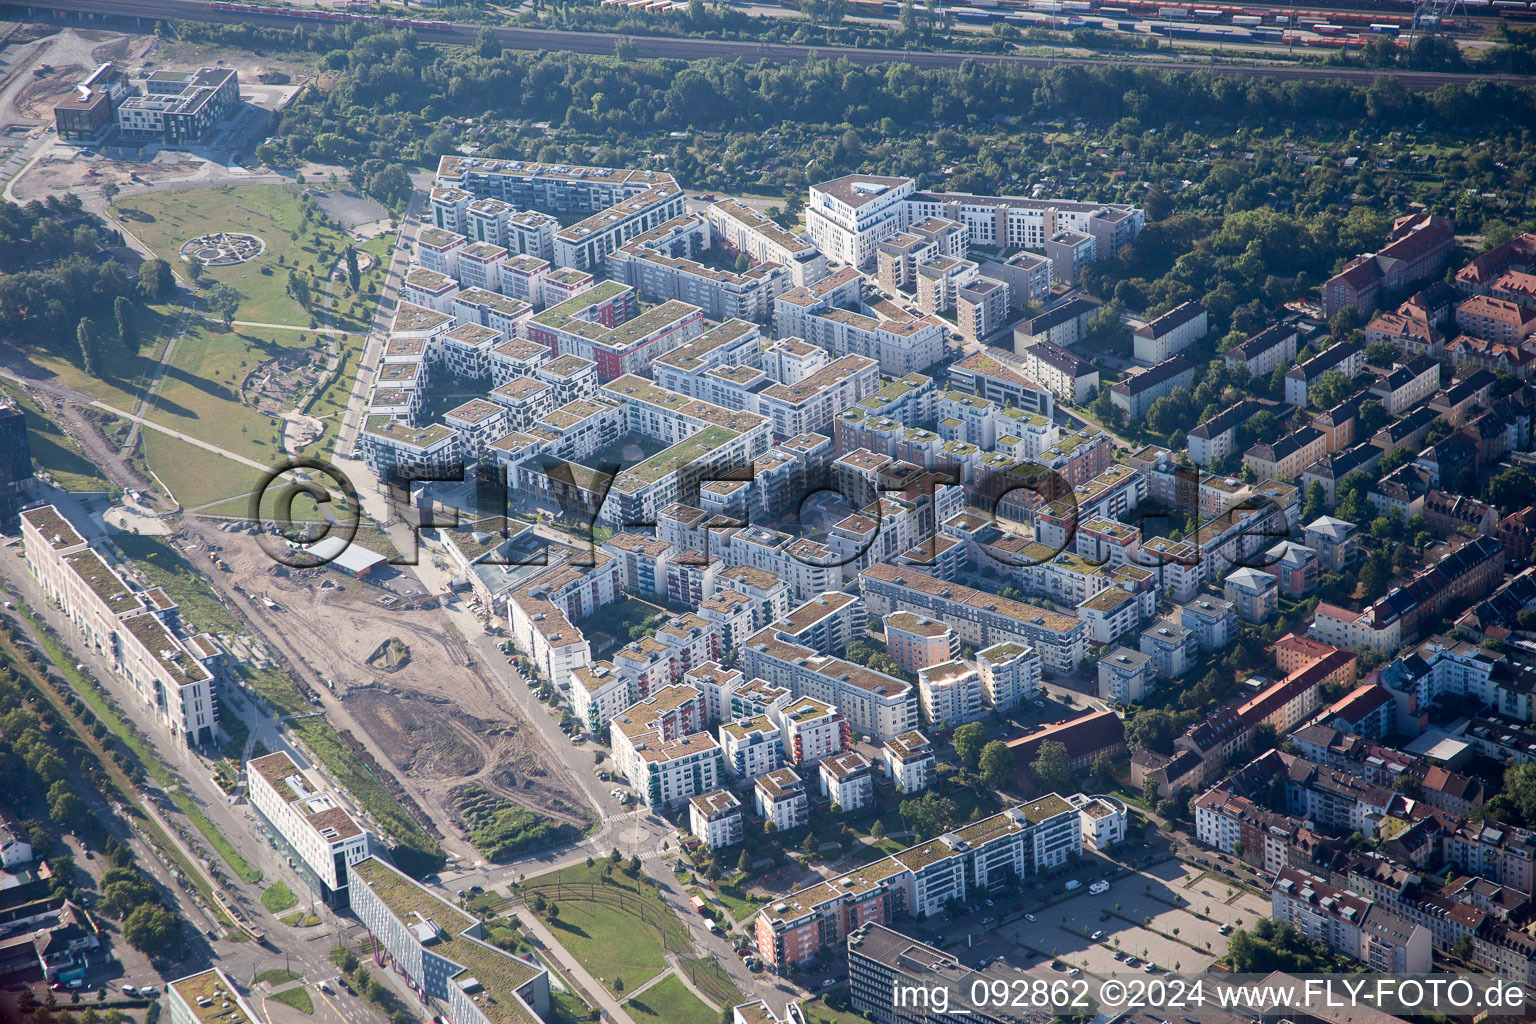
[681, 48]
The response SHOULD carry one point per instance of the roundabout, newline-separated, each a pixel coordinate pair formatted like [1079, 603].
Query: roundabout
[222, 248]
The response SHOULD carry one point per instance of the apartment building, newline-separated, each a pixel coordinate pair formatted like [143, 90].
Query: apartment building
[910, 762]
[208, 997]
[981, 308]
[660, 745]
[1416, 249]
[811, 730]
[752, 747]
[873, 703]
[847, 781]
[667, 264]
[1135, 395]
[442, 952]
[949, 694]
[1169, 334]
[1261, 353]
[315, 829]
[1287, 456]
[393, 449]
[179, 108]
[1126, 676]
[1408, 386]
[131, 627]
[1072, 379]
[973, 860]
[915, 642]
[1063, 325]
[1173, 648]
[1027, 275]
[1010, 674]
[1346, 357]
[831, 314]
[606, 325]
[729, 344]
[1349, 924]
[980, 619]
[981, 375]
[1496, 320]
[716, 819]
[780, 799]
[739, 227]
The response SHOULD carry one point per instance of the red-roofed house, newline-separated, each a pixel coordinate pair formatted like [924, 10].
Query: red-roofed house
[1415, 250]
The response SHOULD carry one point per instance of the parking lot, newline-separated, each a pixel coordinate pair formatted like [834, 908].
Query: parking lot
[1171, 915]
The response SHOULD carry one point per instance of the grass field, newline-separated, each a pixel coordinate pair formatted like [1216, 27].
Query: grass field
[616, 928]
[55, 450]
[277, 898]
[296, 997]
[165, 567]
[199, 394]
[164, 220]
[194, 475]
[277, 976]
[670, 1002]
[331, 404]
[123, 374]
[711, 979]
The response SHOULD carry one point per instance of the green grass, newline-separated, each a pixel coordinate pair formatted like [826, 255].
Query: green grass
[296, 997]
[670, 1002]
[164, 566]
[277, 976]
[194, 475]
[277, 897]
[123, 374]
[818, 1012]
[200, 392]
[739, 909]
[330, 405]
[499, 828]
[271, 211]
[55, 450]
[712, 980]
[617, 928]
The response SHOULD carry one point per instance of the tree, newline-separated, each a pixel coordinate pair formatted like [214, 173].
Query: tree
[744, 862]
[354, 275]
[877, 830]
[127, 331]
[1153, 729]
[1512, 489]
[1373, 416]
[1103, 766]
[487, 45]
[1462, 949]
[109, 191]
[1317, 502]
[223, 301]
[996, 764]
[929, 814]
[298, 288]
[90, 345]
[151, 929]
[968, 741]
[1328, 390]
[1052, 768]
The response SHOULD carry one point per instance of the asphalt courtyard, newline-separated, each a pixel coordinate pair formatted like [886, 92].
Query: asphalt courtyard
[1171, 915]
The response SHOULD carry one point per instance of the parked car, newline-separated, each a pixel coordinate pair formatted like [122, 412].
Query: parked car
[1030, 918]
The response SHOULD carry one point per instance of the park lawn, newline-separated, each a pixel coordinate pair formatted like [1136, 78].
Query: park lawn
[739, 908]
[123, 374]
[818, 1012]
[195, 476]
[163, 220]
[200, 392]
[627, 941]
[55, 450]
[670, 1002]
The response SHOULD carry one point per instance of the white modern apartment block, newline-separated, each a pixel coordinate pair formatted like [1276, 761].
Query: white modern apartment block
[729, 344]
[1102, 819]
[1169, 334]
[950, 694]
[423, 453]
[909, 762]
[443, 952]
[874, 704]
[780, 798]
[832, 314]
[599, 692]
[752, 746]
[811, 730]
[737, 226]
[847, 781]
[623, 203]
[661, 747]
[1010, 674]
[312, 824]
[716, 819]
[1126, 676]
[847, 217]
[131, 627]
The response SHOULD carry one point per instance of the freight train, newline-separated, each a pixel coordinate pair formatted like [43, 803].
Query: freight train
[316, 14]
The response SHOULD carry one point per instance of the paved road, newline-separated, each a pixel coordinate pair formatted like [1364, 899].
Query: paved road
[705, 49]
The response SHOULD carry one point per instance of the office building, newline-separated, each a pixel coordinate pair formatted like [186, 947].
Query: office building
[313, 826]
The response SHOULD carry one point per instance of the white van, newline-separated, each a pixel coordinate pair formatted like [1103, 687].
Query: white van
[1073, 884]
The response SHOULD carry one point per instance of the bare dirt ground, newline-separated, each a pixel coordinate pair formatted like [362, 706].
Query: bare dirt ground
[441, 724]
